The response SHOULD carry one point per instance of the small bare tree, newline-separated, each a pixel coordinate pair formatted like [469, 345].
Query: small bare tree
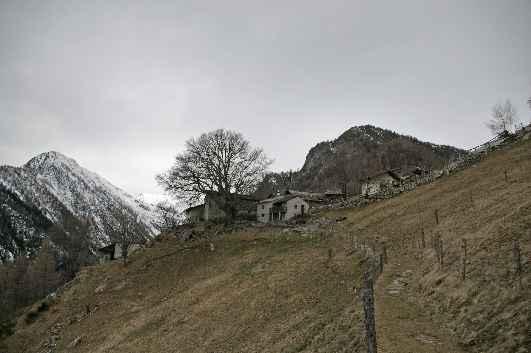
[503, 118]
[72, 240]
[124, 229]
[221, 161]
[169, 216]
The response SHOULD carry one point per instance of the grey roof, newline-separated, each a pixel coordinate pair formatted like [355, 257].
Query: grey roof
[279, 198]
[391, 172]
[290, 194]
[238, 196]
[194, 207]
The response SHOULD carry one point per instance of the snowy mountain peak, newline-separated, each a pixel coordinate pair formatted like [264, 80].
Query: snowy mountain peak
[58, 187]
[50, 158]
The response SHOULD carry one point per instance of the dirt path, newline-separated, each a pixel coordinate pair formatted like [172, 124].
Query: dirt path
[401, 324]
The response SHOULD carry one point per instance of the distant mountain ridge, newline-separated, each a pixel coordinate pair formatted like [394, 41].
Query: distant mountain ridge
[56, 186]
[356, 154]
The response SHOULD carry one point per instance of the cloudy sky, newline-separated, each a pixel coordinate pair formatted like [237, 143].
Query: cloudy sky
[120, 85]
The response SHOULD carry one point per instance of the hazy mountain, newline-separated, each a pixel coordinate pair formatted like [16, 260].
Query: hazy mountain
[49, 188]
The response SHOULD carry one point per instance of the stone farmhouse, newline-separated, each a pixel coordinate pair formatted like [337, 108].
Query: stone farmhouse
[290, 204]
[212, 208]
[113, 252]
[394, 181]
[110, 252]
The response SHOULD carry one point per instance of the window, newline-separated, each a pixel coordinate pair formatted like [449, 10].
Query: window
[295, 206]
[263, 215]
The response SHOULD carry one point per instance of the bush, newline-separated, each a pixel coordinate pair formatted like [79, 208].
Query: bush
[7, 328]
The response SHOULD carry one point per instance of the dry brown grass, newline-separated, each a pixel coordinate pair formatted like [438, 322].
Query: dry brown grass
[254, 293]
[489, 311]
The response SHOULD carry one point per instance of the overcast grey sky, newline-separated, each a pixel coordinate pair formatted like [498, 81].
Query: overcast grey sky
[120, 85]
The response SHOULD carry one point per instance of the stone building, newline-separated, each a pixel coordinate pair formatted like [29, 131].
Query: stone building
[287, 205]
[394, 181]
[110, 252]
[381, 181]
[195, 214]
[113, 251]
[212, 208]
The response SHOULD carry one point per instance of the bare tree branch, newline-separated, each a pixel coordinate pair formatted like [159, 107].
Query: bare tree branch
[503, 118]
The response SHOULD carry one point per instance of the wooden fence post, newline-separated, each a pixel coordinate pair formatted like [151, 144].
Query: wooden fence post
[517, 261]
[368, 308]
[463, 274]
[423, 238]
[381, 263]
[384, 252]
[441, 251]
[437, 216]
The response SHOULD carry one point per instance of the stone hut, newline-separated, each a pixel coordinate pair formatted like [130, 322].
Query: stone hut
[394, 181]
[212, 208]
[109, 252]
[287, 205]
[195, 214]
[380, 182]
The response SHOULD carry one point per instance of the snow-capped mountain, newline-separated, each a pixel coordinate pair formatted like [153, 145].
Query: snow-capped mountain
[57, 187]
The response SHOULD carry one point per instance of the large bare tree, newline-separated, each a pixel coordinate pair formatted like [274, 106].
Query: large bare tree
[221, 161]
[503, 118]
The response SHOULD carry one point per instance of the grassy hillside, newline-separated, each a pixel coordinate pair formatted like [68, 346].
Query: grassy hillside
[254, 292]
[487, 312]
[295, 290]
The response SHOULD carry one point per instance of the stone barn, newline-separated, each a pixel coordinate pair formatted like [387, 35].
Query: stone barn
[110, 252]
[195, 214]
[114, 251]
[212, 208]
[381, 181]
[286, 206]
[394, 181]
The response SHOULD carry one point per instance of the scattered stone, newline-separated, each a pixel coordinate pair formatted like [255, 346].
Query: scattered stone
[398, 285]
[427, 339]
[120, 285]
[76, 342]
[100, 288]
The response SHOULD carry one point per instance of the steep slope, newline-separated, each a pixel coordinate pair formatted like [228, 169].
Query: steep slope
[363, 151]
[259, 292]
[58, 187]
[488, 311]
[295, 290]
